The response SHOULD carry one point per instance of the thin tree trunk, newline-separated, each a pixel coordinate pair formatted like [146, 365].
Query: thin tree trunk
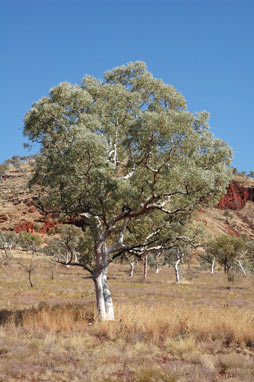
[242, 268]
[67, 260]
[212, 265]
[29, 278]
[132, 265]
[177, 271]
[157, 263]
[145, 267]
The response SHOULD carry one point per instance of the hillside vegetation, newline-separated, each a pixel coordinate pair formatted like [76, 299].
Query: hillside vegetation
[18, 209]
[199, 330]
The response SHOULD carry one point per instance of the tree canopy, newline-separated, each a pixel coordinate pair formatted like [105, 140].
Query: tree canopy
[126, 155]
[226, 250]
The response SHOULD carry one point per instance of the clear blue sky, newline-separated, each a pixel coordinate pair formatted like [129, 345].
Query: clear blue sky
[205, 48]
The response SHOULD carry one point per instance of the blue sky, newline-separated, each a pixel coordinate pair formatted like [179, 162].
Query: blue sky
[205, 48]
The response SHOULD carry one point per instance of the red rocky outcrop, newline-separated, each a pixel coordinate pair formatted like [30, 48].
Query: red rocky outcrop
[24, 226]
[236, 196]
[3, 218]
[48, 224]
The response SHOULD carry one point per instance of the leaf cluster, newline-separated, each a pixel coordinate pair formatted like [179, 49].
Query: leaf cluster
[226, 250]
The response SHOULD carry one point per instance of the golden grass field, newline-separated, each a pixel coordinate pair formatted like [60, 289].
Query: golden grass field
[201, 330]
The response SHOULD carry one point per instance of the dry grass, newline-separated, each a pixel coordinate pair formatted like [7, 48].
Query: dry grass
[202, 330]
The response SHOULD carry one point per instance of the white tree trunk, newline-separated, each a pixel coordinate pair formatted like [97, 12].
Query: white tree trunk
[103, 296]
[242, 268]
[104, 301]
[75, 257]
[107, 297]
[100, 298]
[157, 262]
[177, 271]
[132, 265]
[212, 265]
[67, 260]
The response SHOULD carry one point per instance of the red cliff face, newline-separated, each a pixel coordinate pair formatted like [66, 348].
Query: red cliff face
[236, 197]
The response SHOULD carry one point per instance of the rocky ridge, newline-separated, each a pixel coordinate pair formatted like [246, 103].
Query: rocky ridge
[234, 214]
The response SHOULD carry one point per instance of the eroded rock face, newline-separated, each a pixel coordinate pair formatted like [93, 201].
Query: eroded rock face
[48, 224]
[236, 197]
[25, 226]
[3, 218]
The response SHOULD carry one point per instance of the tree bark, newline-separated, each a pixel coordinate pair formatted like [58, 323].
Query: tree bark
[212, 265]
[242, 268]
[157, 262]
[177, 271]
[107, 297]
[132, 265]
[29, 278]
[103, 296]
[145, 266]
[100, 297]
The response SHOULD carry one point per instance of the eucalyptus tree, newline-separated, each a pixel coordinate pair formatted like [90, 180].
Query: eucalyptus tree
[207, 259]
[175, 239]
[116, 150]
[249, 258]
[64, 246]
[132, 260]
[8, 242]
[29, 242]
[228, 251]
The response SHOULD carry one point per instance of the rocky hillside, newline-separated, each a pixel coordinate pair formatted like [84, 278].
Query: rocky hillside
[234, 215]
[17, 202]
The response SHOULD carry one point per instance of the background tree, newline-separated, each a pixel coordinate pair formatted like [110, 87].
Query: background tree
[132, 260]
[249, 256]
[207, 258]
[117, 150]
[182, 239]
[29, 268]
[29, 242]
[227, 251]
[64, 246]
[8, 241]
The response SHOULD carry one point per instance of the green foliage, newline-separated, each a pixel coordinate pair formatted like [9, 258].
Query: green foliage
[29, 241]
[249, 258]
[70, 244]
[206, 259]
[226, 250]
[8, 241]
[123, 154]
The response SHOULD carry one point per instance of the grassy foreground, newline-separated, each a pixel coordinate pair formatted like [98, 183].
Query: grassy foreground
[201, 330]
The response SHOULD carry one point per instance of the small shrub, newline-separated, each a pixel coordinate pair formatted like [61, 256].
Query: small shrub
[153, 375]
[181, 345]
